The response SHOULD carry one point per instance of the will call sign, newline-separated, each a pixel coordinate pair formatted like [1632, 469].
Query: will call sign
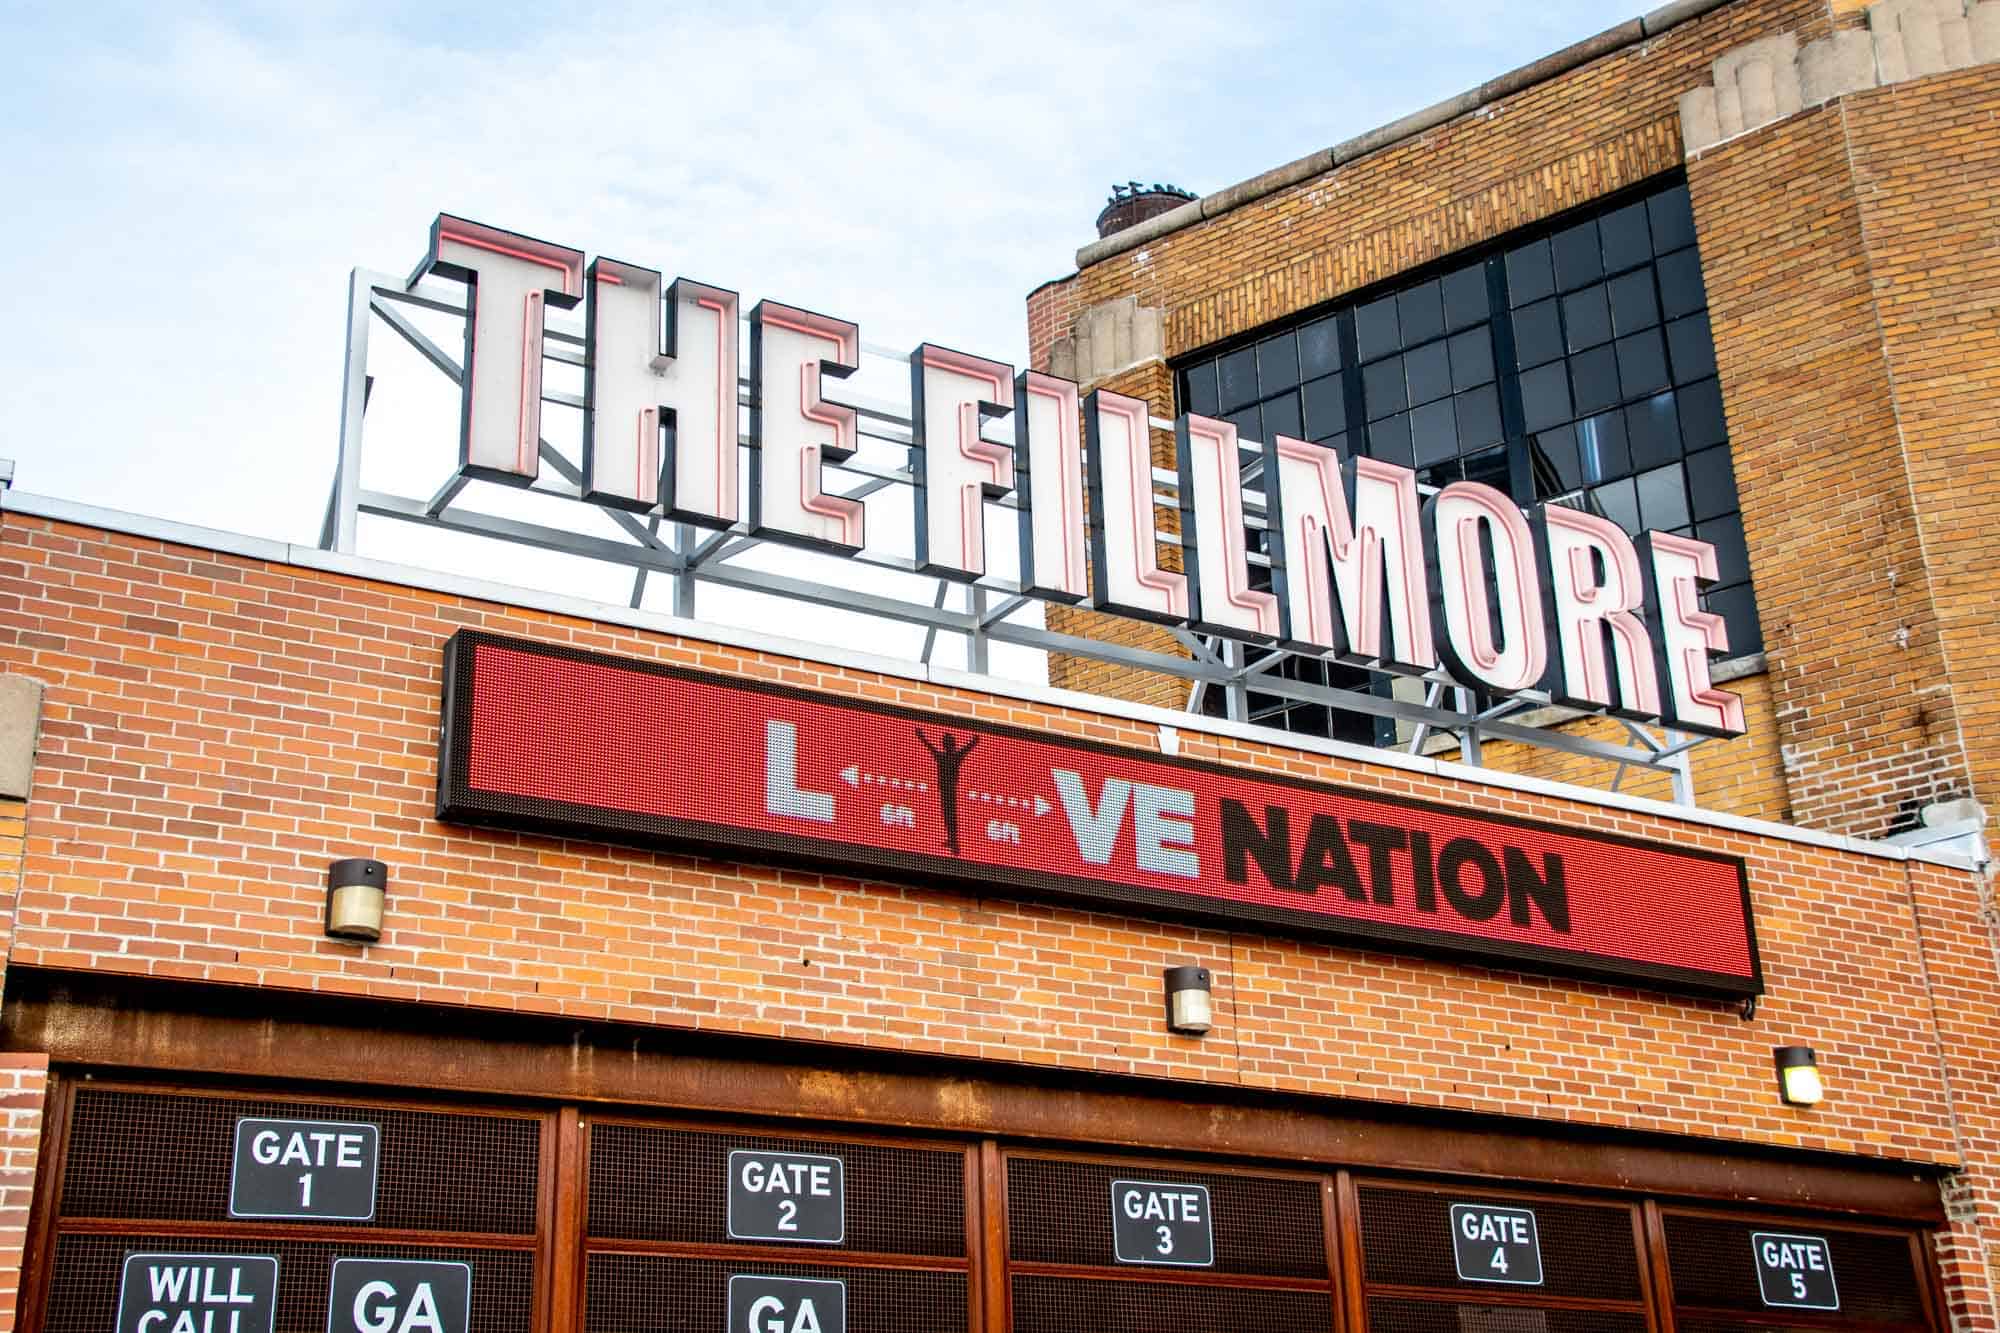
[557, 740]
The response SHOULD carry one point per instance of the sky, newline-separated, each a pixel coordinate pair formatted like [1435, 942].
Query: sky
[193, 183]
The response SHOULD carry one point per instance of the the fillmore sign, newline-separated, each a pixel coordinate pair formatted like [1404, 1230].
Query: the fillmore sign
[1363, 569]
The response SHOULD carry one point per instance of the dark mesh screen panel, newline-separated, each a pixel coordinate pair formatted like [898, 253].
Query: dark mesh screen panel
[1059, 1212]
[648, 1183]
[83, 1288]
[1713, 1266]
[1076, 1305]
[1587, 1249]
[1830, 1321]
[167, 1156]
[1405, 1316]
[647, 1293]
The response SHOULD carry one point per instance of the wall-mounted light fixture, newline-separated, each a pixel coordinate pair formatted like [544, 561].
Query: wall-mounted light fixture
[355, 891]
[1798, 1075]
[1190, 1008]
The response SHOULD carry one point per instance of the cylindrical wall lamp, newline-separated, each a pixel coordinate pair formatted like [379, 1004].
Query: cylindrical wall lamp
[355, 891]
[1190, 1008]
[1798, 1075]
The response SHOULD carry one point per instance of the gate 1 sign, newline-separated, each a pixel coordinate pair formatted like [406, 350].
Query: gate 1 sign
[198, 1293]
[1795, 1272]
[304, 1168]
[1494, 1244]
[1156, 1223]
[399, 1296]
[786, 1305]
[787, 1196]
[556, 740]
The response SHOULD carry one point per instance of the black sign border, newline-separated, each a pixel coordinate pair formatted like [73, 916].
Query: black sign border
[1758, 1263]
[459, 802]
[125, 1264]
[374, 1176]
[1540, 1266]
[1208, 1212]
[729, 1197]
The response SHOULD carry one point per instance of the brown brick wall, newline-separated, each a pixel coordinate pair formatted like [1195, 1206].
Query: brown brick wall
[1926, 168]
[218, 728]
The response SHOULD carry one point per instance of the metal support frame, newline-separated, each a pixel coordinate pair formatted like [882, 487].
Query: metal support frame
[690, 557]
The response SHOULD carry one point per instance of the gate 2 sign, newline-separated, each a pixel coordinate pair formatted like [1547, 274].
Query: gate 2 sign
[557, 740]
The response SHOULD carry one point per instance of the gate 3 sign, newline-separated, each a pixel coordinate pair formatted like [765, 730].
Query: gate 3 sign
[562, 741]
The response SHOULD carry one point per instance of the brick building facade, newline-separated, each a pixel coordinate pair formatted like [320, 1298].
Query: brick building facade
[568, 1033]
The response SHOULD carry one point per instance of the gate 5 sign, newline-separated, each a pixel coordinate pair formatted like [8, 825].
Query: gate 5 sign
[787, 1196]
[1493, 1244]
[399, 1296]
[555, 740]
[304, 1168]
[198, 1293]
[1156, 1223]
[786, 1305]
[1794, 1272]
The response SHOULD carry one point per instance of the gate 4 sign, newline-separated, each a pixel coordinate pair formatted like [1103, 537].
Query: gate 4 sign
[1494, 1244]
[304, 1168]
[787, 1196]
[1156, 1223]
[198, 1293]
[1795, 1272]
[399, 1296]
[786, 1305]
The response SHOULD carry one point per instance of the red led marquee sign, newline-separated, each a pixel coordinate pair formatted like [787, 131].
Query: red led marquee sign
[561, 741]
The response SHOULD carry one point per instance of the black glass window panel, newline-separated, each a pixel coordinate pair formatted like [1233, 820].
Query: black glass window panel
[1319, 348]
[1681, 292]
[1633, 305]
[1389, 439]
[1490, 467]
[1662, 498]
[1471, 358]
[1586, 318]
[1642, 363]
[1738, 608]
[1690, 348]
[1201, 389]
[1553, 459]
[1578, 259]
[1671, 216]
[1530, 273]
[1701, 415]
[1336, 442]
[1433, 433]
[1545, 397]
[1281, 417]
[1465, 297]
[1478, 417]
[1428, 371]
[1277, 364]
[1602, 447]
[1441, 476]
[1420, 309]
[1376, 330]
[1619, 502]
[1732, 557]
[1537, 334]
[1382, 388]
[1627, 238]
[1249, 422]
[1593, 380]
[1325, 406]
[1238, 373]
[1653, 427]
[1711, 483]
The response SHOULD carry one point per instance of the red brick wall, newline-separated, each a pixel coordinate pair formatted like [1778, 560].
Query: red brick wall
[23, 1081]
[217, 729]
